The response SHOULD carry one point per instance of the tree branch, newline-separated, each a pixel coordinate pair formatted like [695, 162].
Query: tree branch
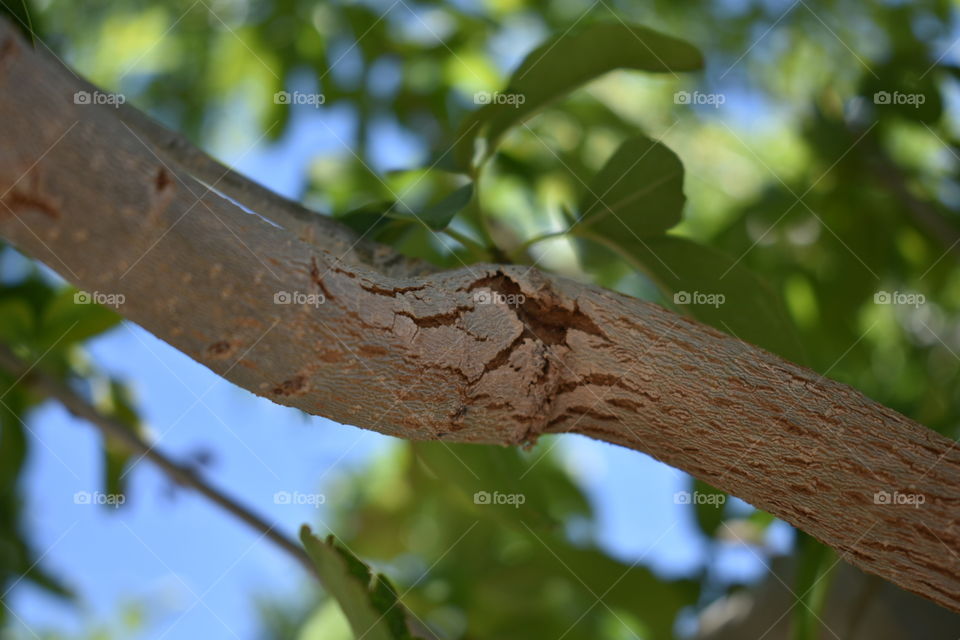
[891, 177]
[309, 226]
[487, 354]
[118, 433]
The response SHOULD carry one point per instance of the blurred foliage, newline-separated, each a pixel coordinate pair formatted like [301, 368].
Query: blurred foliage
[43, 323]
[809, 176]
[495, 543]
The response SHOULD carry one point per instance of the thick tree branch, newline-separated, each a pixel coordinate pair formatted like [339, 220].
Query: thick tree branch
[489, 354]
[307, 225]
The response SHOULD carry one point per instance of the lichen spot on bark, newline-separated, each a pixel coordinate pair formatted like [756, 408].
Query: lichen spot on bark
[295, 386]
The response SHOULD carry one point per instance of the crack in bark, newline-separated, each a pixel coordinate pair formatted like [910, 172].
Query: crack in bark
[19, 199]
[447, 319]
[543, 320]
[536, 354]
[549, 322]
[390, 292]
[317, 279]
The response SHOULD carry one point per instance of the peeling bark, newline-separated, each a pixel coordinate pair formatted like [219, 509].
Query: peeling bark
[285, 307]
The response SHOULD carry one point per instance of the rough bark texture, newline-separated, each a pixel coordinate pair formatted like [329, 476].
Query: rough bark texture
[448, 355]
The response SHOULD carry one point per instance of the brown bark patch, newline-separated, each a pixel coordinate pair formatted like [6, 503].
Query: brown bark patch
[295, 386]
[18, 200]
[163, 181]
[221, 349]
[8, 50]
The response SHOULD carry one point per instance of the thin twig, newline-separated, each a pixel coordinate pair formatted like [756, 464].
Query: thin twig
[123, 436]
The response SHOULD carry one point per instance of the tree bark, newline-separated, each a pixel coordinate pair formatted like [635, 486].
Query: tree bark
[860, 607]
[487, 354]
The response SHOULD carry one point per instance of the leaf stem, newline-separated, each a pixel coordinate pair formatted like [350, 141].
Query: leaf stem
[475, 247]
[518, 252]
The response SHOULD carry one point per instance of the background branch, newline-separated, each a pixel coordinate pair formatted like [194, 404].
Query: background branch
[117, 432]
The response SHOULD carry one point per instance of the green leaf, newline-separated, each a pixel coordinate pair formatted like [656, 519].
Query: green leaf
[13, 441]
[16, 320]
[72, 317]
[325, 623]
[709, 512]
[116, 459]
[376, 216]
[712, 287]
[438, 215]
[567, 61]
[39, 577]
[368, 601]
[815, 564]
[18, 559]
[20, 14]
[370, 219]
[639, 191]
